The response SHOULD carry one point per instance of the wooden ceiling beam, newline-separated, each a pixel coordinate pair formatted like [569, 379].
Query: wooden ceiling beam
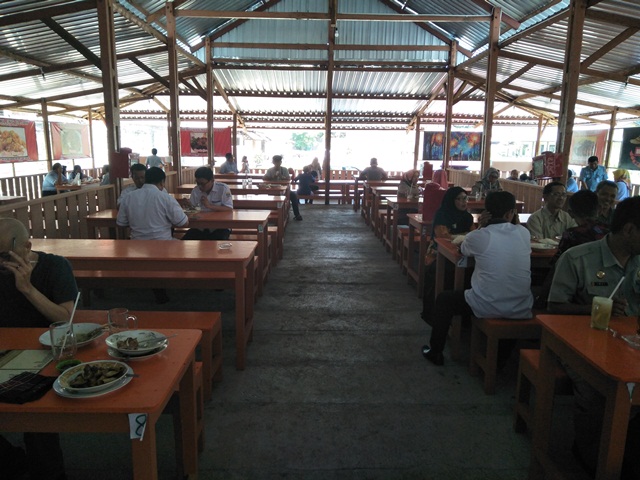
[322, 46]
[72, 41]
[607, 47]
[613, 18]
[47, 12]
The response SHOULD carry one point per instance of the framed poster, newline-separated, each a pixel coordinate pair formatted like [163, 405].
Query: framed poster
[630, 149]
[585, 144]
[193, 142]
[463, 146]
[17, 140]
[70, 140]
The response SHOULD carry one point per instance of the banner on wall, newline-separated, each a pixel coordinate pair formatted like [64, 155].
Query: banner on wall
[548, 164]
[463, 146]
[630, 149]
[193, 142]
[585, 144]
[17, 140]
[70, 140]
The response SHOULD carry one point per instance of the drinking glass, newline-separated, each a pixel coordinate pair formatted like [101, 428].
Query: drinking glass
[120, 320]
[63, 341]
[601, 312]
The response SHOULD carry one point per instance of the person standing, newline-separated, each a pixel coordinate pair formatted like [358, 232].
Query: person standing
[154, 160]
[551, 220]
[230, 165]
[373, 172]
[280, 174]
[501, 279]
[592, 174]
[209, 196]
[36, 289]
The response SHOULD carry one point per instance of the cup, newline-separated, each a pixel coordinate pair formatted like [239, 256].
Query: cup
[63, 341]
[120, 320]
[601, 312]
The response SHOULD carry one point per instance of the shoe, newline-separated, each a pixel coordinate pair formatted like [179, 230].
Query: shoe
[433, 357]
[298, 217]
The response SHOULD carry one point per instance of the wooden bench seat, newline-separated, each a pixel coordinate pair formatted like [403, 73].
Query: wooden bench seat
[486, 334]
[528, 366]
[99, 279]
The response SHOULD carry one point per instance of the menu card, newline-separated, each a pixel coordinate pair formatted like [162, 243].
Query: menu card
[14, 362]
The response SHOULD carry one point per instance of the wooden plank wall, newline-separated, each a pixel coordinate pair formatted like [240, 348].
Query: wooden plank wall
[62, 215]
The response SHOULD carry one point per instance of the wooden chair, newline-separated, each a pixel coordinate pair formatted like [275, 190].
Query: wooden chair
[527, 376]
[487, 333]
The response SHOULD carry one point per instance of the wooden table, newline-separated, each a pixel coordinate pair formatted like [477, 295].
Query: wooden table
[376, 194]
[277, 204]
[367, 195]
[171, 257]
[260, 189]
[608, 364]
[159, 377]
[105, 219]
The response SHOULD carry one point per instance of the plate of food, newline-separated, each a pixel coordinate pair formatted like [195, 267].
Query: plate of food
[542, 247]
[136, 342]
[85, 334]
[93, 377]
[118, 355]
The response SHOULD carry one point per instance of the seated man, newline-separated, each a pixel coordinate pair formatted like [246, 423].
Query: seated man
[138, 171]
[583, 272]
[149, 212]
[280, 174]
[306, 182]
[551, 221]
[230, 165]
[373, 172]
[209, 196]
[36, 289]
[501, 280]
[607, 192]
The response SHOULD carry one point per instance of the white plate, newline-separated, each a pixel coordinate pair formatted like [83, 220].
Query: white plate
[458, 239]
[117, 385]
[68, 375]
[539, 247]
[632, 340]
[141, 336]
[78, 328]
[127, 358]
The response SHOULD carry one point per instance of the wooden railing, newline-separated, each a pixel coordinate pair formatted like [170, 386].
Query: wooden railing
[62, 215]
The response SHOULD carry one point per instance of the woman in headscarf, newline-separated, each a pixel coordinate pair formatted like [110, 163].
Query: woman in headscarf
[452, 218]
[490, 183]
[623, 180]
[408, 187]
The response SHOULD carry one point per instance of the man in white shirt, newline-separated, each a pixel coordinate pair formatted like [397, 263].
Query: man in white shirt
[209, 196]
[551, 221]
[149, 212]
[501, 280]
[154, 160]
[230, 166]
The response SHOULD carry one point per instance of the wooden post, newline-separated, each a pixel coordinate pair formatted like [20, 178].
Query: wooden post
[492, 71]
[174, 91]
[234, 138]
[209, 87]
[47, 132]
[333, 26]
[538, 137]
[612, 126]
[570, 77]
[93, 156]
[448, 112]
[416, 147]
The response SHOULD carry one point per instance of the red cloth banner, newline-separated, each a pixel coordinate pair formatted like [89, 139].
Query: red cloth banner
[70, 140]
[548, 164]
[17, 140]
[193, 142]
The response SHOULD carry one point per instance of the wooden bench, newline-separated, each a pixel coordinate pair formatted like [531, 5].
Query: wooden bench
[88, 280]
[527, 377]
[486, 334]
[321, 196]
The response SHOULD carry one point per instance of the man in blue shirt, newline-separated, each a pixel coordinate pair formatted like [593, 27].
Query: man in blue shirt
[230, 166]
[592, 174]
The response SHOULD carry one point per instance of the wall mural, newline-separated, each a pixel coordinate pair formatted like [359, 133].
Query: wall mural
[193, 142]
[463, 146]
[17, 140]
[630, 149]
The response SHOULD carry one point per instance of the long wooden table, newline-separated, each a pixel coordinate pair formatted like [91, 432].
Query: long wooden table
[148, 394]
[277, 204]
[609, 365]
[260, 189]
[173, 258]
[394, 205]
[242, 219]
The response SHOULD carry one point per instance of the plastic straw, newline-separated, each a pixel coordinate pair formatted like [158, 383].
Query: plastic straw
[616, 289]
[73, 312]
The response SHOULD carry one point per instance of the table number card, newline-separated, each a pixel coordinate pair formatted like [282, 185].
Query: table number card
[137, 425]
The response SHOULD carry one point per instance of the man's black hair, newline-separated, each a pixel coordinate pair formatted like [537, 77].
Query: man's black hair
[584, 203]
[499, 203]
[592, 159]
[606, 183]
[627, 211]
[154, 176]
[204, 172]
[229, 156]
[548, 188]
[137, 167]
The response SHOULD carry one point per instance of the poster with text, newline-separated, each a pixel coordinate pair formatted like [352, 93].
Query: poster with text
[193, 142]
[17, 140]
[630, 149]
[463, 146]
[70, 140]
[585, 144]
